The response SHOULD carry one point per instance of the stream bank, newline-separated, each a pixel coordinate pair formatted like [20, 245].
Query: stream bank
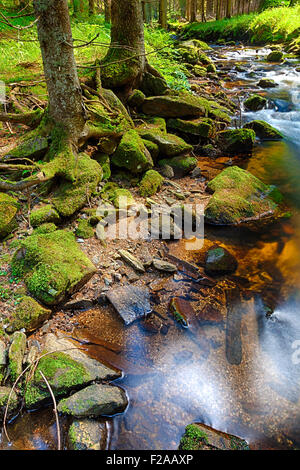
[232, 370]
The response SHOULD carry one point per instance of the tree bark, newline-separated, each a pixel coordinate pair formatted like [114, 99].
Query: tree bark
[107, 8]
[125, 61]
[163, 5]
[55, 37]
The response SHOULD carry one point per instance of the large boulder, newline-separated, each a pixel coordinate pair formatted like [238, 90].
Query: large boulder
[132, 153]
[239, 197]
[263, 130]
[173, 106]
[8, 210]
[150, 183]
[52, 266]
[267, 83]
[236, 140]
[93, 401]
[275, 56]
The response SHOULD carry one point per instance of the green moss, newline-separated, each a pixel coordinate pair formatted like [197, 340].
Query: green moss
[62, 373]
[255, 103]
[275, 56]
[8, 209]
[202, 127]
[136, 99]
[72, 196]
[16, 353]
[104, 162]
[169, 145]
[46, 213]
[193, 439]
[151, 183]
[45, 228]
[263, 130]
[236, 140]
[200, 71]
[132, 153]
[182, 165]
[84, 229]
[52, 265]
[28, 315]
[211, 68]
[238, 196]
[120, 197]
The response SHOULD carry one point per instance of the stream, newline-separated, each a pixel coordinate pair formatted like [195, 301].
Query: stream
[242, 375]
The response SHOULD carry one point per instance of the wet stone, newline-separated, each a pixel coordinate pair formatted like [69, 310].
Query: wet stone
[198, 436]
[131, 302]
[162, 265]
[219, 261]
[87, 434]
[132, 261]
[93, 401]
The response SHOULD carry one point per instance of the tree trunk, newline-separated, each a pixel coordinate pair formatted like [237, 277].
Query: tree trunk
[163, 5]
[107, 15]
[125, 62]
[92, 7]
[55, 37]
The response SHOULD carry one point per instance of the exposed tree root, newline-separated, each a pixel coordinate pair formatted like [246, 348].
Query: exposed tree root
[31, 119]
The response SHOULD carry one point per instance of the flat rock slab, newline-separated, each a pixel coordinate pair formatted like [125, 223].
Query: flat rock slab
[201, 437]
[93, 401]
[131, 302]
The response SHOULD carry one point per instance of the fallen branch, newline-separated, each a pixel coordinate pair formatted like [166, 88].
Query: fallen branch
[27, 183]
[19, 28]
[54, 410]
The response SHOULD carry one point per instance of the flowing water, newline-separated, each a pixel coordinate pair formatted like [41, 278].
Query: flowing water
[241, 375]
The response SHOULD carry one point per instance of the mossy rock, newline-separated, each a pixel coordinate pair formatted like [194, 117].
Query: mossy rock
[198, 436]
[200, 71]
[45, 228]
[239, 197]
[211, 68]
[5, 394]
[169, 145]
[63, 374]
[267, 83]
[189, 54]
[184, 105]
[263, 130]
[136, 99]
[8, 209]
[132, 153]
[195, 43]
[87, 434]
[275, 56]
[182, 165]
[72, 196]
[153, 123]
[153, 86]
[255, 103]
[44, 214]
[218, 260]
[33, 148]
[16, 354]
[120, 197]
[151, 183]
[95, 400]
[52, 266]
[84, 229]
[153, 148]
[104, 162]
[29, 315]
[236, 140]
[202, 127]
